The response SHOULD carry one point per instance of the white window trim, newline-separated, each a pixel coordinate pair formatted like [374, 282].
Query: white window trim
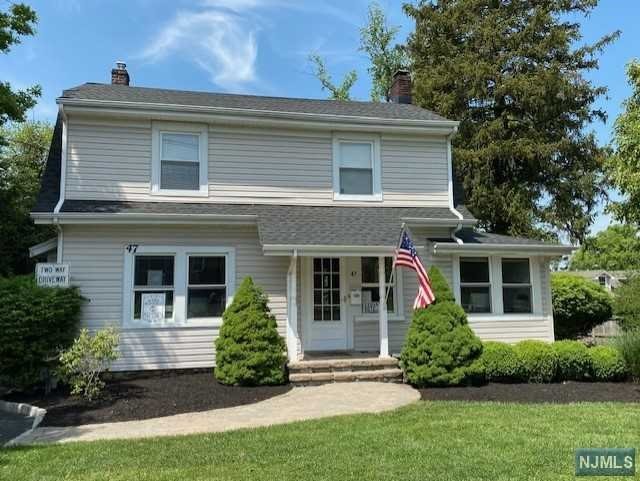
[490, 284]
[495, 277]
[201, 131]
[180, 283]
[398, 291]
[374, 140]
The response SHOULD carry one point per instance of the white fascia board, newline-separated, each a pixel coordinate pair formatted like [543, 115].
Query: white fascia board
[328, 250]
[534, 250]
[195, 113]
[128, 218]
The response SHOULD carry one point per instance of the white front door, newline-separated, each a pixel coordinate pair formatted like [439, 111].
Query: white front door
[325, 313]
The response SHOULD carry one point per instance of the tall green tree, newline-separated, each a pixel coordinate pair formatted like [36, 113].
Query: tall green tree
[377, 39]
[19, 20]
[512, 73]
[22, 161]
[336, 91]
[624, 166]
[615, 248]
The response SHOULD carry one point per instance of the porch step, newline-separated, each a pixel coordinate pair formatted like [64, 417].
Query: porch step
[345, 369]
[383, 375]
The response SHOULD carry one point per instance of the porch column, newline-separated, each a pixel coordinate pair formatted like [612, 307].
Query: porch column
[292, 308]
[382, 310]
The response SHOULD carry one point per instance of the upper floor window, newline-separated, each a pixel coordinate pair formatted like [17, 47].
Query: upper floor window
[179, 159]
[356, 168]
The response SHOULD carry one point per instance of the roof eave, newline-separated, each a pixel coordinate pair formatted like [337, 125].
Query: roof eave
[200, 113]
[137, 218]
[531, 249]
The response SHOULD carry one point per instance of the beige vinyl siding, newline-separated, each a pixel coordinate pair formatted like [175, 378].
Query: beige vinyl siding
[95, 255]
[111, 160]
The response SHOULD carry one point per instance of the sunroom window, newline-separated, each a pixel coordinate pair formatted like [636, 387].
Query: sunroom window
[475, 284]
[516, 286]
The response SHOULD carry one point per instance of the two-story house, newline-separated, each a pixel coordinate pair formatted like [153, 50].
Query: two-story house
[165, 200]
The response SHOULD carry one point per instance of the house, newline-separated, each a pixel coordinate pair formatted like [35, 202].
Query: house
[610, 280]
[165, 200]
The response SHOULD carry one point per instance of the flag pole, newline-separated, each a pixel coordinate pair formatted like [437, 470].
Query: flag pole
[393, 267]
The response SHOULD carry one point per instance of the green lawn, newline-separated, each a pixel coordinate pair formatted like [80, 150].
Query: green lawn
[427, 441]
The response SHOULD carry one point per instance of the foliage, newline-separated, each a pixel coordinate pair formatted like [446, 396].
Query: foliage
[626, 303]
[538, 361]
[249, 350]
[337, 92]
[83, 363]
[578, 305]
[22, 161]
[607, 364]
[500, 362]
[574, 361]
[615, 248]
[514, 76]
[440, 286]
[35, 324]
[19, 20]
[624, 165]
[628, 343]
[440, 347]
[376, 39]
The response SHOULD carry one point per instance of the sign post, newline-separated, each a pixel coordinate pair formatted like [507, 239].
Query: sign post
[52, 275]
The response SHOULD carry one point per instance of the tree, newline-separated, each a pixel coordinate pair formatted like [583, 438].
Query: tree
[511, 73]
[615, 248]
[18, 21]
[626, 303]
[337, 92]
[249, 350]
[578, 305]
[624, 166]
[376, 39]
[22, 161]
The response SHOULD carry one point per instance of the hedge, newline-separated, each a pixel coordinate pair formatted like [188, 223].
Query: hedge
[36, 323]
[500, 362]
[573, 360]
[538, 361]
[607, 364]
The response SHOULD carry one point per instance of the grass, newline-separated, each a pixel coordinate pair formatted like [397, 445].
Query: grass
[426, 441]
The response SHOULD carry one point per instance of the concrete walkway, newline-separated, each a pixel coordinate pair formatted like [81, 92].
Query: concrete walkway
[297, 405]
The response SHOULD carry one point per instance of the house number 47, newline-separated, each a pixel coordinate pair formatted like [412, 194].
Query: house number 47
[132, 248]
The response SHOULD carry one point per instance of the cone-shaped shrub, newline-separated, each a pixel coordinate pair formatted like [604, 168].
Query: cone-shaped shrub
[440, 286]
[440, 348]
[249, 350]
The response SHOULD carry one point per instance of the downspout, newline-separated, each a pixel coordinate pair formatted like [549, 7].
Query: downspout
[63, 176]
[451, 204]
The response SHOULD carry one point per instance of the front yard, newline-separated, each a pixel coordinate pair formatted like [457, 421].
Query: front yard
[429, 440]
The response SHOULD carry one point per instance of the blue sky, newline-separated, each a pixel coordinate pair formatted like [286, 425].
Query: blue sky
[250, 46]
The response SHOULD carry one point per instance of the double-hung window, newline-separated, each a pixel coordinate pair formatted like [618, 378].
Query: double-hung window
[356, 168]
[179, 159]
[516, 286]
[177, 285]
[371, 285]
[475, 284]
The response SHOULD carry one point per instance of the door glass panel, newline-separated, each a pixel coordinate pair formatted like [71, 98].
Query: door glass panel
[326, 289]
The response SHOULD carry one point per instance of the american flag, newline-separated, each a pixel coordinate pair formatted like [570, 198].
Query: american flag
[407, 255]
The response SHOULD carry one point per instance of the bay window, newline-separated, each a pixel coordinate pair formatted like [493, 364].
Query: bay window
[172, 285]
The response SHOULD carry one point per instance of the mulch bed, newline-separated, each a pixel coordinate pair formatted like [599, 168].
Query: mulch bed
[569, 392]
[144, 397]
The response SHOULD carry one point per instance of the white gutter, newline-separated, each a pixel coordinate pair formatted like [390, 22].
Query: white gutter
[426, 221]
[529, 249]
[319, 249]
[141, 218]
[450, 186]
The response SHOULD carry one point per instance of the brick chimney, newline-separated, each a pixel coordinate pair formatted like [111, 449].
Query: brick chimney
[400, 91]
[119, 75]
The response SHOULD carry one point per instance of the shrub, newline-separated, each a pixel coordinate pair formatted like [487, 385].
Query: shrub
[500, 362]
[440, 286]
[628, 343]
[538, 361]
[573, 360]
[626, 304]
[607, 364]
[83, 363]
[440, 348]
[35, 324]
[249, 350]
[578, 305]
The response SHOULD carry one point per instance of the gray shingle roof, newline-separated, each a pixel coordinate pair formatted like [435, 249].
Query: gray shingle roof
[289, 225]
[470, 236]
[123, 93]
[50, 182]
